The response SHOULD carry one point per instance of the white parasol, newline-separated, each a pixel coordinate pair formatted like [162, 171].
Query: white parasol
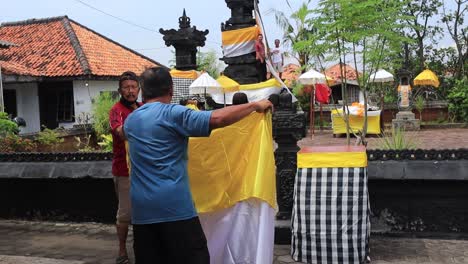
[203, 84]
[381, 76]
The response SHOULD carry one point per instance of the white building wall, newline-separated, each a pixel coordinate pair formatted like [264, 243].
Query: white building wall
[27, 102]
[84, 94]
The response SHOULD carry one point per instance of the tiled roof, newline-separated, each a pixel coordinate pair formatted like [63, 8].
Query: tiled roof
[13, 68]
[61, 47]
[335, 72]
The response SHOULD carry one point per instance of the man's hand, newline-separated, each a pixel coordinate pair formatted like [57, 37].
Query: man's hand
[263, 106]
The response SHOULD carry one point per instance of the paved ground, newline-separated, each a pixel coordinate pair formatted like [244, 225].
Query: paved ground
[449, 138]
[59, 243]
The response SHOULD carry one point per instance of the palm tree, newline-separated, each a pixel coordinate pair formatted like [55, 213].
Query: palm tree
[295, 28]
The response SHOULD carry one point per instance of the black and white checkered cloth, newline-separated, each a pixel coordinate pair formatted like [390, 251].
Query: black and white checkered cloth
[330, 221]
[181, 89]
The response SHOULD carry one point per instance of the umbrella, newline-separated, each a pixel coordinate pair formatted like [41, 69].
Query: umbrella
[381, 76]
[203, 84]
[427, 77]
[312, 77]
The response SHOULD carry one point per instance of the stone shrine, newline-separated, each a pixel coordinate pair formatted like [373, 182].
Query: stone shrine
[405, 118]
[241, 68]
[185, 41]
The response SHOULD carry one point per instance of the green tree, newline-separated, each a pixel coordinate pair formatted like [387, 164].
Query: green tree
[419, 13]
[458, 100]
[296, 29]
[347, 31]
[209, 62]
[454, 21]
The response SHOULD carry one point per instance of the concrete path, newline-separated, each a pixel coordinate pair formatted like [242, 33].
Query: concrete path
[67, 243]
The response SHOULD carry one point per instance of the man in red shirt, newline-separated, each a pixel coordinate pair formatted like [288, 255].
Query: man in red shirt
[128, 90]
[260, 57]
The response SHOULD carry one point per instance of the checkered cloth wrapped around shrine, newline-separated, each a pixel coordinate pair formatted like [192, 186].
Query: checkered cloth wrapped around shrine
[330, 221]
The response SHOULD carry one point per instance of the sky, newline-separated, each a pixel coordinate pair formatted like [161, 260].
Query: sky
[144, 18]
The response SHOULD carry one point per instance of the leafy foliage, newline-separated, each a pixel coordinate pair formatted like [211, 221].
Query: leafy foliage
[15, 143]
[419, 13]
[7, 126]
[101, 108]
[419, 105]
[397, 139]
[208, 62]
[297, 30]
[49, 137]
[458, 100]
[106, 143]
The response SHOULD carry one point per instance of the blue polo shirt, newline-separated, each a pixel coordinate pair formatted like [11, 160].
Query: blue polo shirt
[158, 138]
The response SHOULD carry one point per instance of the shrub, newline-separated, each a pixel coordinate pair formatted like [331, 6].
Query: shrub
[101, 107]
[106, 143]
[303, 97]
[49, 137]
[14, 143]
[419, 105]
[7, 126]
[458, 100]
[397, 139]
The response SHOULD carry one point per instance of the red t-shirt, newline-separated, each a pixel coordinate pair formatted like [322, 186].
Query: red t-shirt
[260, 48]
[117, 116]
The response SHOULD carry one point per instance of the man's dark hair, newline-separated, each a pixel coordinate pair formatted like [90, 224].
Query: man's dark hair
[239, 98]
[128, 75]
[155, 82]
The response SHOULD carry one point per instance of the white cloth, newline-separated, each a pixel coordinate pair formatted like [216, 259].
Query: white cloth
[243, 233]
[276, 55]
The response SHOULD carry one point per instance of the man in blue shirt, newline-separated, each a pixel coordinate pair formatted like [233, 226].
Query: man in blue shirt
[165, 223]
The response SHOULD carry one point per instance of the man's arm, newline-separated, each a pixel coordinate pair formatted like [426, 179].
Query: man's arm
[230, 115]
[116, 123]
[119, 132]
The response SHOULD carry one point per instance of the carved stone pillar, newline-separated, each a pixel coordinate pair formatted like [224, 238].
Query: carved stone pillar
[289, 126]
[185, 41]
[241, 68]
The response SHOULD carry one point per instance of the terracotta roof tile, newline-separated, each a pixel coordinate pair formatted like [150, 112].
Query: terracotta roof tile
[9, 67]
[335, 73]
[59, 47]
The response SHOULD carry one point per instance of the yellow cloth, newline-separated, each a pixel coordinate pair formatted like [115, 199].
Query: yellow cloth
[233, 164]
[356, 123]
[192, 106]
[184, 74]
[427, 77]
[237, 36]
[266, 84]
[228, 84]
[338, 159]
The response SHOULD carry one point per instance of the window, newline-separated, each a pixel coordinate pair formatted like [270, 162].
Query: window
[65, 105]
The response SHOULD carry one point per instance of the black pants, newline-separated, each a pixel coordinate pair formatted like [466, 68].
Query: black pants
[178, 242]
[261, 71]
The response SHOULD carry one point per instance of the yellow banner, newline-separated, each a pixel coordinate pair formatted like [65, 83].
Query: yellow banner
[266, 84]
[184, 74]
[332, 160]
[237, 36]
[233, 164]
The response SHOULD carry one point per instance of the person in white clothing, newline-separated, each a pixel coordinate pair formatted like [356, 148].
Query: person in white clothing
[277, 58]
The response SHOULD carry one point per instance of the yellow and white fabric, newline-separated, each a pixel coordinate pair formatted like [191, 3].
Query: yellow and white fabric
[232, 178]
[192, 74]
[239, 41]
[255, 92]
[356, 121]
